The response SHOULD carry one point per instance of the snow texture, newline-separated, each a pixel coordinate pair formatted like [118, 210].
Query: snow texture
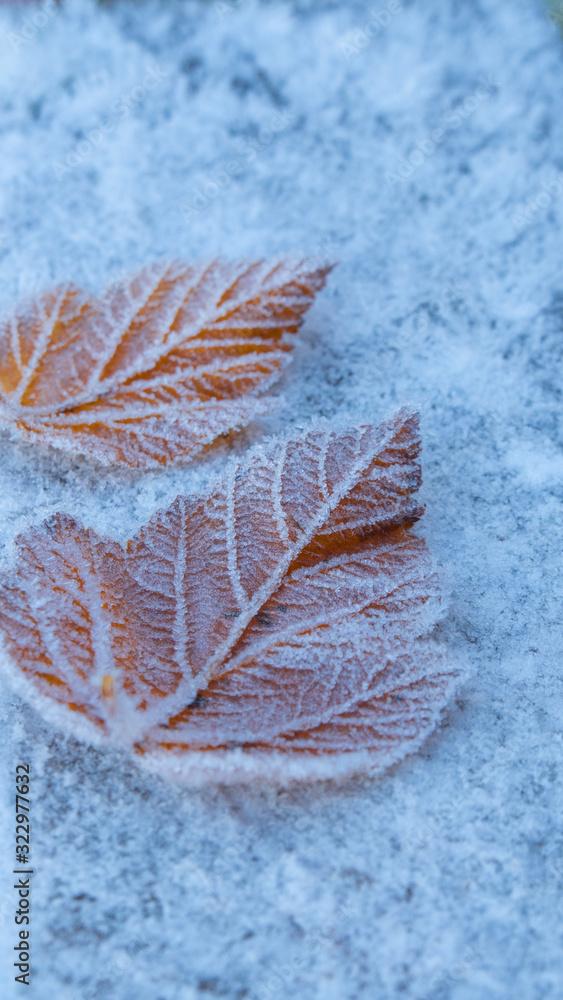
[426, 158]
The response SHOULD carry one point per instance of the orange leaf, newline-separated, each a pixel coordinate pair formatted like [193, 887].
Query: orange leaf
[280, 622]
[160, 366]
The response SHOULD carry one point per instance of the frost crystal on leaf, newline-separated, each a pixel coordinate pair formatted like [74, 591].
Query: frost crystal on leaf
[279, 624]
[158, 367]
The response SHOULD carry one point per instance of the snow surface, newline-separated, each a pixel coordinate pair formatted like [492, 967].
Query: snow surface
[281, 128]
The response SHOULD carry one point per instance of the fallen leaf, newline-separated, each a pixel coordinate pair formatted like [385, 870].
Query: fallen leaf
[279, 624]
[157, 368]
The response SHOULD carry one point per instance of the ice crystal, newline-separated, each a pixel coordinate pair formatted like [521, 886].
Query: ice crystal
[158, 367]
[285, 615]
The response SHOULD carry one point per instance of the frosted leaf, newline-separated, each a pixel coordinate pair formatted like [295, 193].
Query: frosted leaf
[159, 366]
[277, 625]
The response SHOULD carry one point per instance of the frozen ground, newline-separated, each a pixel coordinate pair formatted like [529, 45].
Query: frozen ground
[265, 133]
